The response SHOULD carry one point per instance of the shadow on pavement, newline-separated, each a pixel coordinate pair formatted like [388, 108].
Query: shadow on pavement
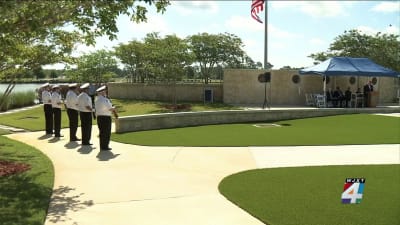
[71, 145]
[54, 140]
[63, 200]
[84, 149]
[45, 136]
[106, 155]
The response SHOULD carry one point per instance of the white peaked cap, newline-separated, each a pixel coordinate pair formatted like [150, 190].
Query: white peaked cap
[45, 85]
[86, 85]
[102, 88]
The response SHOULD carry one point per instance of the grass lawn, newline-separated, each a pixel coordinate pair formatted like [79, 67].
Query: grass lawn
[332, 130]
[3, 132]
[24, 197]
[33, 119]
[134, 107]
[312, 195]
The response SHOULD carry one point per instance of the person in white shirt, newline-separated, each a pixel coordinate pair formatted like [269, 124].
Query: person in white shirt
[56, 104]
[72, 111]
[104, 110]
[85, 113]
[48, 111]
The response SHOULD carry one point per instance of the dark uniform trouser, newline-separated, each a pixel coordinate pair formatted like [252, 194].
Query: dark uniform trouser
[86, 126]
[366, 100]
[57, 121]
[48, 116]
[73, 123]
[104, 124]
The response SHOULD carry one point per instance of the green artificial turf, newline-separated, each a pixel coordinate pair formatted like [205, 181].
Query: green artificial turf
[332, 130]
[24, 197]
[312, 195]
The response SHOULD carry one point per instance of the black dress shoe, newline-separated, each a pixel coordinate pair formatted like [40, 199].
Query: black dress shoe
[59, 135]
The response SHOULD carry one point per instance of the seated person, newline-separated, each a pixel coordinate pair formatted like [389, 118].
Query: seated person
[338, 97]
[328, 97]
[359, 93]
[347, 96]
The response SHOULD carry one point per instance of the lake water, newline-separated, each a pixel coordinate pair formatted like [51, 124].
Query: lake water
[20, 87]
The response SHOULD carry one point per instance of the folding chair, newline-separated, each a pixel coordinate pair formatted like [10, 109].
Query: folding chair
[309, 99]
[320, 101]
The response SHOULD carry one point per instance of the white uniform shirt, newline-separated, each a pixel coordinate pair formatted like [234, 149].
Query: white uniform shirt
[103, 106]
[83, 101]
[46, 97]
[56, 100]
[71, 100]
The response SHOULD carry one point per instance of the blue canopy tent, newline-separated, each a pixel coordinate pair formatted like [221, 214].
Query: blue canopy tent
[347, 66]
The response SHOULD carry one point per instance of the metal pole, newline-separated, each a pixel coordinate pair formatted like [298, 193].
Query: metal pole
[265, 51]
[265, 95]
[325, 91]
[266, 36]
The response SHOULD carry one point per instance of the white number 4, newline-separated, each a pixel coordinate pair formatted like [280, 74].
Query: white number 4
[352, 193]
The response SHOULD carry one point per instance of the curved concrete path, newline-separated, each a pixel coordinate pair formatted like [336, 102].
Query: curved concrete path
[137, 185]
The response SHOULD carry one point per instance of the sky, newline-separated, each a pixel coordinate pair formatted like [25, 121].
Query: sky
[296, 29]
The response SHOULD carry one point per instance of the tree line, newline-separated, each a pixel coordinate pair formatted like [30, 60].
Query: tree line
[37, 33]
[167, 59]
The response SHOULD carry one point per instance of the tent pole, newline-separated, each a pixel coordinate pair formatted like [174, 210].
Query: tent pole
[325, 90]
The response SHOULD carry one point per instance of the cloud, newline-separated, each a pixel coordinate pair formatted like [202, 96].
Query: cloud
[253, 49]
[372, 31]
[189, 7]
[392, 30]
[387, 7]
[317, 41]
[243, 24]
[279, 33]
[314, 8]
[367, 30]
[129, 29]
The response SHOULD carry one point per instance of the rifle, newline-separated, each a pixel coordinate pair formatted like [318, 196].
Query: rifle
[114, 112]
[93, 111]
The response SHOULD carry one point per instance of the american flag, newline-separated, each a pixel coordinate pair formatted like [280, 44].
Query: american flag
[256, 7]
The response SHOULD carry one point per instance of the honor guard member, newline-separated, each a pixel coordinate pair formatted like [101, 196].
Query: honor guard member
[72, 111]
[85, 114]
[48, 111]
[56, 103]
[104, 109]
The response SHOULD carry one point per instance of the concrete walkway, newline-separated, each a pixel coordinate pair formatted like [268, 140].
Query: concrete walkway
[137, 185]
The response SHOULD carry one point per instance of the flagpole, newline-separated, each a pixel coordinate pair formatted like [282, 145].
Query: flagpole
[266, 35]
[266, 102]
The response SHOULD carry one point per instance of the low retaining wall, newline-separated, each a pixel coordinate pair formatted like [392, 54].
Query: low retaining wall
[185, 119]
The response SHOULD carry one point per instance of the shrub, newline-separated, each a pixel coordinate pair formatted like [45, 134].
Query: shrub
[18, 100]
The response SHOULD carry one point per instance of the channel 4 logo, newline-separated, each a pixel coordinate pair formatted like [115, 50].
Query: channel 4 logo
[353, 190]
